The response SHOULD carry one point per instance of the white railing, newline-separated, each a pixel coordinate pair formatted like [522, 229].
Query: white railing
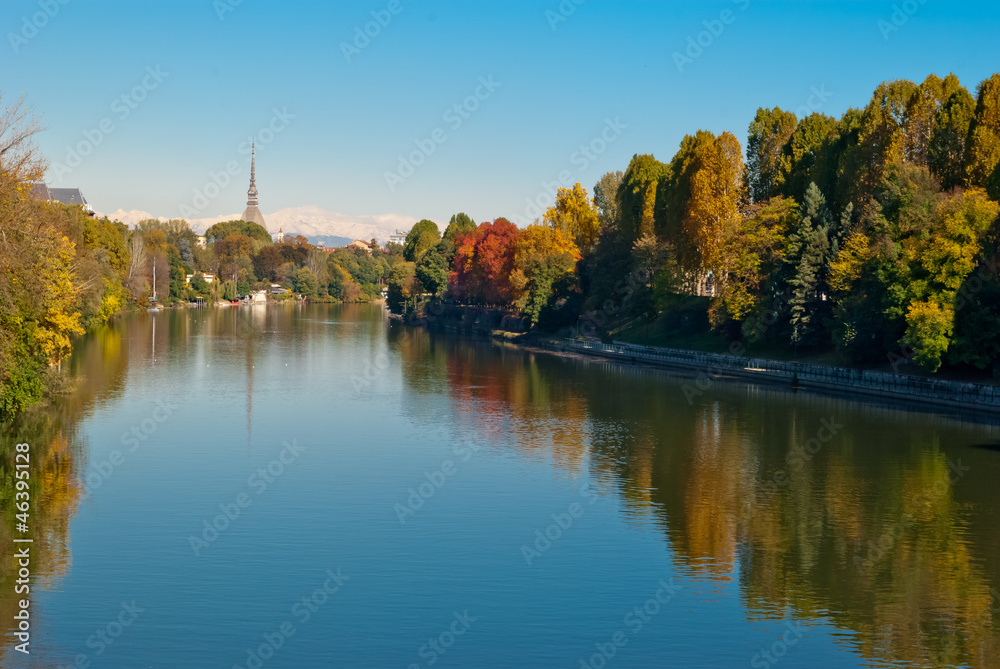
[974, 393]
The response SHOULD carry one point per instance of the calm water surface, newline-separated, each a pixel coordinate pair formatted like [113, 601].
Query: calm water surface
[400, 499]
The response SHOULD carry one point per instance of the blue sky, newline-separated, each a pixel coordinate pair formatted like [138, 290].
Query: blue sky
[229, 69]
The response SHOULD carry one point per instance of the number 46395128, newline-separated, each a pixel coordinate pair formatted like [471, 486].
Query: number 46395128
[23, 474]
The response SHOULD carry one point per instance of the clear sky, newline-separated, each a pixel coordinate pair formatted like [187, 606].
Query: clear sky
[227, 69]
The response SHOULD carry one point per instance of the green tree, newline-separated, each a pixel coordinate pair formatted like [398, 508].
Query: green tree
[946, 153]
[221, 231]
[881, 141]
[638, 194]
[983, 147]
[940, 262]
[402, 286]
[338, 280]
[305, 282]
[751, 256]
[460, 224]
[920, 122]
[607, 199]
[422, 237]
[806, 156]
[432, 271]
[809, 255]
[769, 132]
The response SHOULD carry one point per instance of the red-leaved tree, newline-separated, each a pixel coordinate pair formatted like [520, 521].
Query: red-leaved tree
[484, 263]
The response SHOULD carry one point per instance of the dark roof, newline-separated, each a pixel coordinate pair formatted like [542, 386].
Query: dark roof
[40, 191]
[67, 196]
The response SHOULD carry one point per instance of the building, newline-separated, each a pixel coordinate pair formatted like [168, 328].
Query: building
[280, 237]
[209, 278]
[61, 195]
[398, 238]
[359, 244]
[252, 213]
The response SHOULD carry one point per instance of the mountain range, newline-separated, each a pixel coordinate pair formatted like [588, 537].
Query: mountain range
[318, 225]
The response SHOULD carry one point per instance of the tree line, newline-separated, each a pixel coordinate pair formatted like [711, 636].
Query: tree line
[874, 235]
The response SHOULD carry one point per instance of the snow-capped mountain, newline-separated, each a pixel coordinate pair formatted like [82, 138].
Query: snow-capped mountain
[313, 222]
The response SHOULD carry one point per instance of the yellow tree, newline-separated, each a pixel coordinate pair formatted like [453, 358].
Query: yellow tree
[575, 215]
[717, 191]
[542, 256]
[983, 148]
[752, 248]
[940, 262]
[58, 318]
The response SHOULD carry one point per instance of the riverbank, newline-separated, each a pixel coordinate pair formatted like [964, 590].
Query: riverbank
[922, 391]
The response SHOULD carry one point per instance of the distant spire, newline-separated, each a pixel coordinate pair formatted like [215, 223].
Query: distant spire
[252, 193]
[252, 213]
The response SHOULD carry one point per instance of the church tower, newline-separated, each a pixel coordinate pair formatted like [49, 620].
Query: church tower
[252, 213]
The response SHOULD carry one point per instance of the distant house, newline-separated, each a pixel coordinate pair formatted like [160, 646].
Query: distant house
[61, 195]
[209, 278]
[276, 289]
[358, 244]
[399, 237]
[258, 297]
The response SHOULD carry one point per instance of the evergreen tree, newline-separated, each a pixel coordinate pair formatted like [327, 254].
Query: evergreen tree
[809, 252]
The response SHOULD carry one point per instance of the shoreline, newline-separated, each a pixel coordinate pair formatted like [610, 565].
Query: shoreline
[920, 392]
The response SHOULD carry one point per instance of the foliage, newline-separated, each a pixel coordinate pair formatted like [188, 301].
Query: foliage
[575, 215]
[607, 199]
[769, 131]
[305, 282]
[460, 224]
[484, 263]
[432, 271]
[402, 286]
[543, 256]
[422, 237]
[983, 146]
[221, 231]
[751, 254]
[638, 194]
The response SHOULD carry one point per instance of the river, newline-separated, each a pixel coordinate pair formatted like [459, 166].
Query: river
[313, 486]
